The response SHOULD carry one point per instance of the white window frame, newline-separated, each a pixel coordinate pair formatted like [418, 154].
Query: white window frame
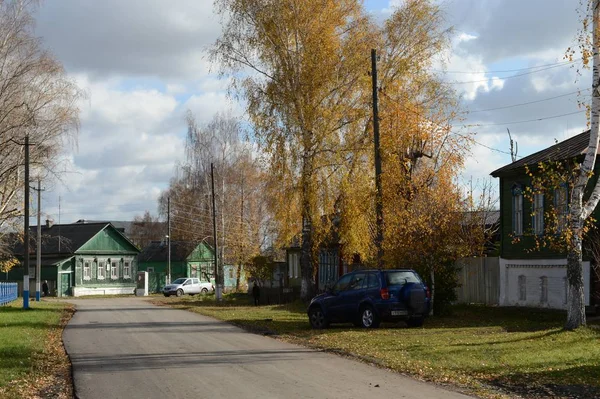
[115, 269]
[127, 269]
[522, 287]
[101, 273]
[561, 204]
[538, 214]
[517, 211]
[87, 270]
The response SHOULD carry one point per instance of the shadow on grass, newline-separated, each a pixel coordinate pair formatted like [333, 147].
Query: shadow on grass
[521, 383]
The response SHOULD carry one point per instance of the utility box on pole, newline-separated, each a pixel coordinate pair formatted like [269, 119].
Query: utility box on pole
[142, 284]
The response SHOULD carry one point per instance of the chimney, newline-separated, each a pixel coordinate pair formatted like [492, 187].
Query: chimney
[49, 223]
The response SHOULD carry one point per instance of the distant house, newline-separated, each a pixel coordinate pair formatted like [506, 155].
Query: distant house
[538, 277]
[141, 233]
[230, 277]
[188, 259]
[81, 259]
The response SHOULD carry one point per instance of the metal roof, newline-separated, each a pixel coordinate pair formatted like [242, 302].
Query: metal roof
[570, 148]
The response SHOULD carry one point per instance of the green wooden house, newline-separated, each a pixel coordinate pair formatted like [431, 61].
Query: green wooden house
[81, 259]
[537, 278]
[188, 259]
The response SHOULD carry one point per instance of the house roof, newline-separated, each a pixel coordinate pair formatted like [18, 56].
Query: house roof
[570, 148]
[157, 251]
[65, 238]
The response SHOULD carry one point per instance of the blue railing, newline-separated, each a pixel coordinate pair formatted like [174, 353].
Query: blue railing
[8, 292]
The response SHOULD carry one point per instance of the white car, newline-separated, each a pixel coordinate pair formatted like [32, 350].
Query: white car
[190, 286]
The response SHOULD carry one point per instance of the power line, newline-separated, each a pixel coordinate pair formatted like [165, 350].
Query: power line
[506, 77]
[528, 103]
[525, 121]
[511, 70]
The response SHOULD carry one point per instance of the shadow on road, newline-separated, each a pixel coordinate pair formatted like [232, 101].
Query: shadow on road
[140, 361]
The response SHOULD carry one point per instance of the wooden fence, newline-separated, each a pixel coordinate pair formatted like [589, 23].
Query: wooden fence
[479, 280]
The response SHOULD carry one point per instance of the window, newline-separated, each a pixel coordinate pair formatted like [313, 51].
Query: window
[127, 269]
[150, 270]
[522, 288]
[517, 202]
[342, 283]
[231, 273]
[373, 281]
[538, 214]
[101, 270]
[87, 270]
[114, 269]
[294, 265]
[543, 289]
[32, 271]
[194, 271]
[357, 282]
[562, 207]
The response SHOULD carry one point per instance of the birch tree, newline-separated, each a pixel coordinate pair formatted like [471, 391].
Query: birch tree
[298, 65]
[580, 211]
[36, 99]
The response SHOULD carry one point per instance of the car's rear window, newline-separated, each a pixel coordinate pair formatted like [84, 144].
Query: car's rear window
[401, 277]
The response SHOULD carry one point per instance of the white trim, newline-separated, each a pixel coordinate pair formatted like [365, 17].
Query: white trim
[89, 274]
[553, 269]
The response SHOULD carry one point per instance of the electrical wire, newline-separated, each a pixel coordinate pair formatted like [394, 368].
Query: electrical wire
[527, 103]
[511, 70]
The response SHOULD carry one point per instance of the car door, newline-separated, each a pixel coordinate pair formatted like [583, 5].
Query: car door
[334, 302]
[196, 285]
[186, 286]
[353, 296]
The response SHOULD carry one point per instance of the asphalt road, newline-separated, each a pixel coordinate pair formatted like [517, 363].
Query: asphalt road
[129, 348]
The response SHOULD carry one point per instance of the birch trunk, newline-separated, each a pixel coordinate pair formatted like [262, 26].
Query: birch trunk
[580, 212]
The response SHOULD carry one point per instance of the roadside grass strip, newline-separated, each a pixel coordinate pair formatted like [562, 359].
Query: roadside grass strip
[493, 352]
[33, 363]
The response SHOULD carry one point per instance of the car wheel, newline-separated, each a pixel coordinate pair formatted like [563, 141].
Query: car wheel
[415, 322]
[167, 295]
[368, 318]
[317, 318]
[179, 292]
[204, 291]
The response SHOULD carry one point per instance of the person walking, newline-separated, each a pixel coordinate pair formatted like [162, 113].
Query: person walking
[45, 289]
[256, 293]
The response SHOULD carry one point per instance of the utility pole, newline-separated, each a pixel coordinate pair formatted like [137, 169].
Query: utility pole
[214, 217]
[38, 265]
[168, 240]
[378, 192]
[26, 232]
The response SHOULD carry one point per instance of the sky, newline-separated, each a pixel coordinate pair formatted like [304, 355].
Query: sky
[142, 64]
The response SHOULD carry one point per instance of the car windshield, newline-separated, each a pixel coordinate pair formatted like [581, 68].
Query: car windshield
[179, 281]
[401, 277]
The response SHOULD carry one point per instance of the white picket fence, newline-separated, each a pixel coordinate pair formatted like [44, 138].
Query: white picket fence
[8, 292]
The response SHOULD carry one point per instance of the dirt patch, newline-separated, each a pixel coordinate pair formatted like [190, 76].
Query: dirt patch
[51, 374]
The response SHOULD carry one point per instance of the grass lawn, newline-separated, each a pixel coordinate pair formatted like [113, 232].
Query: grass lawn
[32, 358]
[490, 351]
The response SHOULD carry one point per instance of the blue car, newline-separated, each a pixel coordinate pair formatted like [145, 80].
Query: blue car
[368, 297]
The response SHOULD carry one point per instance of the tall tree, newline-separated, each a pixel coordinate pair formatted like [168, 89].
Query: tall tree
[579, 210]
[307, 60]
[36, 99]
[241, 217]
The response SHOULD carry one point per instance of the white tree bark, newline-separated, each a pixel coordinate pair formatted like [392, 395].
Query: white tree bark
[580, 212]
